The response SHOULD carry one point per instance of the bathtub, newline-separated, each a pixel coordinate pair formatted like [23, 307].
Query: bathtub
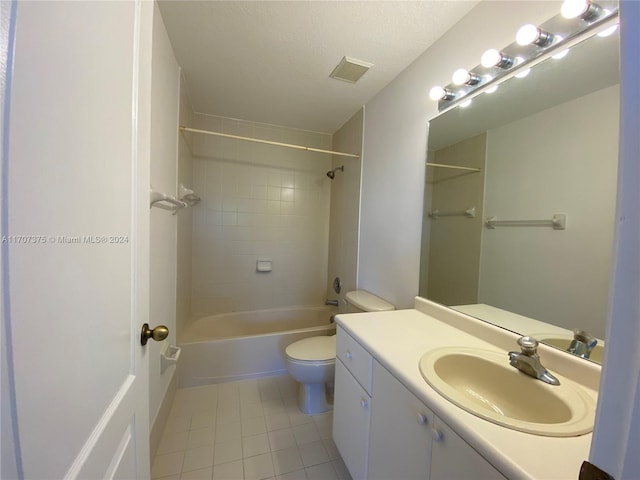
[232, 346]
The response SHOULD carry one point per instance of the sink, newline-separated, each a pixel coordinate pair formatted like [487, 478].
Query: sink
[483, 383]
[562, 342]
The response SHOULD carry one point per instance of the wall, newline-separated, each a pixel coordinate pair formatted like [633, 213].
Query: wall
[574, 172]
[454, 253]
[345, 208]
[258, 202]
[397, 117]
[185, 219]
[163, 228]
[395, 142]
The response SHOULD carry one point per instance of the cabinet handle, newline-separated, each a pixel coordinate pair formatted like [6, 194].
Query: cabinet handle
[437, 434]
[422, 419]
[364, 403]
[349, 355]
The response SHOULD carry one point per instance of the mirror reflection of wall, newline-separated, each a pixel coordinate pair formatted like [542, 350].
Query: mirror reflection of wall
[559, 276]
[454, 256]
[541, 158]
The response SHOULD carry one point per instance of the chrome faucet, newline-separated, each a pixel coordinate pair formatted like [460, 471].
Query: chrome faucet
[582, 344]
[528, 361]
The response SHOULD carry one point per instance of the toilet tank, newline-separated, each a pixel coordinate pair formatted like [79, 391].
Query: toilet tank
[363, 301]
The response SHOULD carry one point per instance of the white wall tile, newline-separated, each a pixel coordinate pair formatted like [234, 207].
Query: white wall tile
[275, 201]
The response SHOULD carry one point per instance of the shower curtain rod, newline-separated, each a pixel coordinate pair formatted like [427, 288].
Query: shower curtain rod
[268, 142]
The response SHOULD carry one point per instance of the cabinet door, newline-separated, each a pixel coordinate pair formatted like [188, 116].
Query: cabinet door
[452, 457]
[351, 415]
[400, 442]
[353, 356]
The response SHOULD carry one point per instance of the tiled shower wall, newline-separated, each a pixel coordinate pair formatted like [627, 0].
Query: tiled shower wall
[259, 202]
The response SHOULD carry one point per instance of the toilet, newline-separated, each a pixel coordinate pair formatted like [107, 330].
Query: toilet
[312, 361]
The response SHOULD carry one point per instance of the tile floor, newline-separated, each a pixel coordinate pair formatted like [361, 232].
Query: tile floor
[246, 430]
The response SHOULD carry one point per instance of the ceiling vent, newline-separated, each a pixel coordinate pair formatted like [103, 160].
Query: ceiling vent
[350, 70]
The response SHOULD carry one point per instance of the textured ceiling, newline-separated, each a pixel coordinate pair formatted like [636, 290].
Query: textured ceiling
[269, 61]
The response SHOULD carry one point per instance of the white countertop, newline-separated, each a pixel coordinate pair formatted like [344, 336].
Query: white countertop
[398, 340]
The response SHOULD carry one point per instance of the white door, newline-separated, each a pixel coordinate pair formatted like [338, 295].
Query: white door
[77, 210]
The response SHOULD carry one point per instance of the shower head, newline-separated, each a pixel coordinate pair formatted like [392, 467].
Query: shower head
[332, 173]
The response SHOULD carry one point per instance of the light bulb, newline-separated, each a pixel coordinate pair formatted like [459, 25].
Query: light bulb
[527, 34]
[580, 8]
[574, 8]
[464, 77]
[465, 104]
[460, 76]
[530, 34]
[492, 89]
[437, 93]
[490, 58]
[493, 58]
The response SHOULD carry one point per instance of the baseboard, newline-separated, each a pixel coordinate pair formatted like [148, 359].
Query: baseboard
[155, 435]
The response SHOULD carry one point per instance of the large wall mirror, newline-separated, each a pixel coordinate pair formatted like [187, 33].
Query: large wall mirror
[540, 148]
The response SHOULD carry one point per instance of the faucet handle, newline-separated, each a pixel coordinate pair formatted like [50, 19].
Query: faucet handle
[528, 345]
[582, 343]
[584, 337]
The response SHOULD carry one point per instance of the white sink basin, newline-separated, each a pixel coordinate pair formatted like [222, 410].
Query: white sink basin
[483, 383]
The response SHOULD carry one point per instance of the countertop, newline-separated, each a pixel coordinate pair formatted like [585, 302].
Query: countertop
[398, 339]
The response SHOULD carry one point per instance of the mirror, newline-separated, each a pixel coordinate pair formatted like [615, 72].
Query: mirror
[540, 146]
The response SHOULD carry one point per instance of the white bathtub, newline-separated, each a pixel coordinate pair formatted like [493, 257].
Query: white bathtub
[231, 346]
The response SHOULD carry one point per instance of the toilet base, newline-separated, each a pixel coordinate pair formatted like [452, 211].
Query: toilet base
[313, 398]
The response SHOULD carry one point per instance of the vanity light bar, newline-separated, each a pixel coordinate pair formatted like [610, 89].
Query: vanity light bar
[533, 45]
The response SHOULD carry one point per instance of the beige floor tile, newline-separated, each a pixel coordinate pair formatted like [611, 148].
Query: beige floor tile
[323, 471]
[229, 471]
[277, 421]
[313, 453]
[255, 445]
[281, 439]
[307, 433]
[286, 461]
[227, 452]
[253, 426]
[258, 467]
[198, 458]
[246, 430]
[201, 437]
[202, 474]
[173, 442]
[169, 464]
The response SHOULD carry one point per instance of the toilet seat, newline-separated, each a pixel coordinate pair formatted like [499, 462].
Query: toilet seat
[310, 363]
[313, 350]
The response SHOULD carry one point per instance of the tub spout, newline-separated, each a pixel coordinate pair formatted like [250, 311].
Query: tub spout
[333, 303]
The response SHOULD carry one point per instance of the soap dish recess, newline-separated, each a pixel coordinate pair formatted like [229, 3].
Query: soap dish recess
[169, 357]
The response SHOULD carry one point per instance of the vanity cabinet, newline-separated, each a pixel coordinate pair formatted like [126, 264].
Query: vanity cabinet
[452, 457]
[352, 392]
[385, 432]
[400, 439]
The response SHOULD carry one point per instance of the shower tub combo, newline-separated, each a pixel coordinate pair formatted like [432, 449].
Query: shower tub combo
[232, 346]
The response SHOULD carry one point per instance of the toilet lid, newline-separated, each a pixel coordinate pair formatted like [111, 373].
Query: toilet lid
[313, 349]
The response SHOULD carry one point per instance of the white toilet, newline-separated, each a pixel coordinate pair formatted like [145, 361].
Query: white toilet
[312, 361]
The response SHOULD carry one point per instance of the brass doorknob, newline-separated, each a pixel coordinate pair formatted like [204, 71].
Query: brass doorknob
[158, 334]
